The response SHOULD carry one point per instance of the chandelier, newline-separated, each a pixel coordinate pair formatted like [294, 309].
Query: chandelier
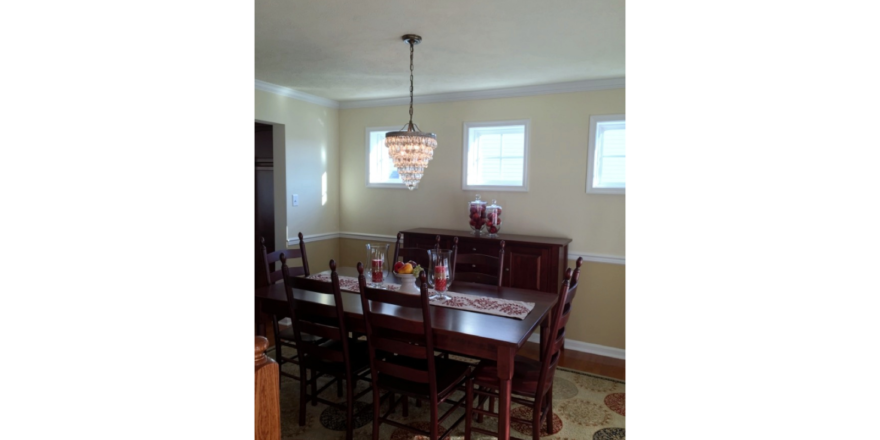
[409, 148]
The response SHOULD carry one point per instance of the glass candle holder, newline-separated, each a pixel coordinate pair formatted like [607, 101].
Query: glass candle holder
[440, 272]
[376, 255]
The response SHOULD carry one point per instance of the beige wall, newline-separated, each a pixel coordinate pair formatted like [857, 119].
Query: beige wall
[321, 140]
[311, 149]
[556, 204]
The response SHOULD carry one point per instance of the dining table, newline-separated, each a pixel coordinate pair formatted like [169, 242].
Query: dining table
[469, 333]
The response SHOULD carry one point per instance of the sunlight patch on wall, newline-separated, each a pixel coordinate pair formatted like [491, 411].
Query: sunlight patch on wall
[324, 189]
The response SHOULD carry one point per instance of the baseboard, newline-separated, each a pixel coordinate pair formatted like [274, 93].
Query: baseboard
[586, 347]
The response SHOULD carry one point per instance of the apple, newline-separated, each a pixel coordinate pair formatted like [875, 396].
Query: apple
[398, 266]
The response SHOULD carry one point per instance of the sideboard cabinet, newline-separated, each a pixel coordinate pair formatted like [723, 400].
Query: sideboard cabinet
[530, 262]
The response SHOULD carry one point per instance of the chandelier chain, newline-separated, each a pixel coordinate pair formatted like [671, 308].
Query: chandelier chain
[411, 50]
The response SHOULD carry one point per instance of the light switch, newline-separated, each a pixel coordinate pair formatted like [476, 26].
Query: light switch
[295, 200]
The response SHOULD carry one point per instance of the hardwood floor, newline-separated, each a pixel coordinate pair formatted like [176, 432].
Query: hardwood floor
[576, 360]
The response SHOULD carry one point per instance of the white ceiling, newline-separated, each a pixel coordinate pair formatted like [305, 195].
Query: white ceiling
[352, 50]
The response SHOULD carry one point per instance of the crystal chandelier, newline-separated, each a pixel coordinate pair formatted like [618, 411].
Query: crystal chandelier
[409, 148]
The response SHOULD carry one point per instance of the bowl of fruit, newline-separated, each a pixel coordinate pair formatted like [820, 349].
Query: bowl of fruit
[407, 273]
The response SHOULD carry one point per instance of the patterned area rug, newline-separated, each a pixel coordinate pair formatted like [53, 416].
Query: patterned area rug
[585, 406]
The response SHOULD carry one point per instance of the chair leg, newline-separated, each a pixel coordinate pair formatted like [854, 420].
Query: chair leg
[435, 427]
[339, 387]
[468, 408]
[349, 401]
[405, 406]
[480, 400]
[536, 419]
[376, 409]
[302, 395]
[314, 383]
[278, 357]
[550, 410]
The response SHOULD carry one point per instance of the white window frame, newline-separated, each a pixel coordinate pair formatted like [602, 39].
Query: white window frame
[367, 132]
[591, 157]
[466, 148]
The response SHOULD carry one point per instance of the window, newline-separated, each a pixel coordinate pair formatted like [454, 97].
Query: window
[495, 156]
[606, 162]
[380, 168]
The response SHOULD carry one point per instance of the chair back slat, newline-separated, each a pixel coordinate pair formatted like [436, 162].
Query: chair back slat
[309, 311]
[417, 254]
[406, 326]
[319, 330]
[394, 298]
[400, 347]
[401, 371]
[312, 352]
[478, 268]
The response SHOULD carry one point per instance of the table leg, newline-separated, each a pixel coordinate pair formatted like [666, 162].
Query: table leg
[259, 325]
[545, 338]
[505, 374]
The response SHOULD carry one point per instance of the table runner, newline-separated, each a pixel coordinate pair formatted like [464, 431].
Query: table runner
[474, 303]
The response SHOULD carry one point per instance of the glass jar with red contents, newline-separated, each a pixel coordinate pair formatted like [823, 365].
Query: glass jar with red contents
[493, 219]
[477, 215]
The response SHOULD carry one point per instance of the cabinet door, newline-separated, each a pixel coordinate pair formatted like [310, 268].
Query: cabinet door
[528, 267]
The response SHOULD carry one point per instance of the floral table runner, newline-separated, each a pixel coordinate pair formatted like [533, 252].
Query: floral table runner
[481, 304]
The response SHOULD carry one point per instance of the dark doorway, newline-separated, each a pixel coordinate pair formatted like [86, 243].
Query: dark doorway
[264, 185]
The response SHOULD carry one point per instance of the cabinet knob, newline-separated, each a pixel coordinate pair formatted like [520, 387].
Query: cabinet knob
[507, 269]
[475, 249]
[473, 265]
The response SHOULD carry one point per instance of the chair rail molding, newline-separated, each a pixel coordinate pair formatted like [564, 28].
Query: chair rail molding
[294, 241]
[572, 255]
[586, 347]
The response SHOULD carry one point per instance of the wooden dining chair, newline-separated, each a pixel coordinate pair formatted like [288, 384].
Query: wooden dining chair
[419, 255]
[271, 275]
[402, 361]
[479, 268]
[330, 351]
[532, 383]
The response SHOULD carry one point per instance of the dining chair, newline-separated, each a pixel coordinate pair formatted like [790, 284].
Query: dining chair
[572, 287]
[271, 275]
[330, 351]
[419, 255]
[532, 383]
[479, 268]
[402, 361]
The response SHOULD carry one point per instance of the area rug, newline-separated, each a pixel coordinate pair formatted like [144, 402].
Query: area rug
[585, 406]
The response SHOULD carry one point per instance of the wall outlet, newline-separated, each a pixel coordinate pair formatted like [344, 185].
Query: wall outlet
[295, 200]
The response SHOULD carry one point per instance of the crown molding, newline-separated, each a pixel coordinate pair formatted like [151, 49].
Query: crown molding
[290, 93]
[510, 92]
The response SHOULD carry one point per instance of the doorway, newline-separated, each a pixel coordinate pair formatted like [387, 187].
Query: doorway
[264, 197]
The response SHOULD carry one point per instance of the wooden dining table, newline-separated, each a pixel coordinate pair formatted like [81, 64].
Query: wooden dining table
[474, 334]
